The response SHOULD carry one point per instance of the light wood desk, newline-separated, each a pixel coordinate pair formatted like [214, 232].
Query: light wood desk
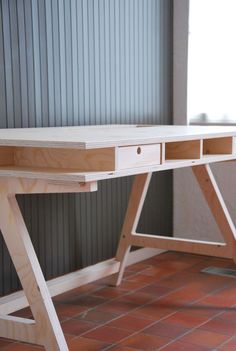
[74, 159]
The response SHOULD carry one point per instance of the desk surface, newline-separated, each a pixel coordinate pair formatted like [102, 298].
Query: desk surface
[91, 153]
[91, 137]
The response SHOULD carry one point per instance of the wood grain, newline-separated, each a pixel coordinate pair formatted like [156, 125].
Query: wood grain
[183, 150]
[28, 269]
[135, 205]
[75, 176]
[21, 329]
[215, 249]
[81, 160]
[42, 186]
[6, 156]
[218, 146]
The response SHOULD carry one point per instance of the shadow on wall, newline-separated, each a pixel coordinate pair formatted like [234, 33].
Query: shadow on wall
[192, 217]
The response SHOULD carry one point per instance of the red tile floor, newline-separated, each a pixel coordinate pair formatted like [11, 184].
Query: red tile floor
[164, 303]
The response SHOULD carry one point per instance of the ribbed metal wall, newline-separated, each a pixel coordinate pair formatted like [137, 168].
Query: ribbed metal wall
[76, 62]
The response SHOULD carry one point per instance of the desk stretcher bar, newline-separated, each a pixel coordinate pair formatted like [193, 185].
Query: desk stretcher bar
[73, 159]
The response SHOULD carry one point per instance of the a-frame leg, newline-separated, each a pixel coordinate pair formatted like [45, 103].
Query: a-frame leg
[212, 194]
[135, 205]
[46, 329]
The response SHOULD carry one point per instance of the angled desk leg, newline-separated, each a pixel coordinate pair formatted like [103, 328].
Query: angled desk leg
[45, 329]
[212, 194]
[135, 206]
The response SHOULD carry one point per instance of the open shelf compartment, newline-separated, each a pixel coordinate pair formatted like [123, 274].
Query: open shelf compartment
[218, 146]
[183, 150]
[50, 159]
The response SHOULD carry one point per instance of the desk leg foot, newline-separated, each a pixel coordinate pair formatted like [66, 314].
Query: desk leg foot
[47, 329]
[136, 201]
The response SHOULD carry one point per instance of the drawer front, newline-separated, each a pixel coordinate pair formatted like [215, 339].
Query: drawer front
[138, 156]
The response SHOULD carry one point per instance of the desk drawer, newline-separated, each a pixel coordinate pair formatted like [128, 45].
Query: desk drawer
[137, 156]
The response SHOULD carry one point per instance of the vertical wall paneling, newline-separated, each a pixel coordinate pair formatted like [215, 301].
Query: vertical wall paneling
[3, 98]
[36, 63]
[8, 63]
[78, 62]
[50, 63]
[22, 64]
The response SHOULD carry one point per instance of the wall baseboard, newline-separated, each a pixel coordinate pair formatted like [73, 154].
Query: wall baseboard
[59, 285]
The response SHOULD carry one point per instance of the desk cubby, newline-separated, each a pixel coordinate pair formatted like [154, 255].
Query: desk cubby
[180, 150]
[218, 146]
[202, 149]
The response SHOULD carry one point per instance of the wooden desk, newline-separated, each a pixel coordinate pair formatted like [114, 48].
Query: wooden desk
[74, 159]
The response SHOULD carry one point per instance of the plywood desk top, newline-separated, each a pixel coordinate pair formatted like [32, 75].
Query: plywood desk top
[91, 153]
[91, 137]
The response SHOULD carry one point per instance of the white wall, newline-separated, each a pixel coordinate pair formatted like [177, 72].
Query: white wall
[192, 217]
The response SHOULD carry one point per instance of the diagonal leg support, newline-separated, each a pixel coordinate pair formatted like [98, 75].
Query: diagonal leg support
[212, 194]
[49, 332]
[136, 201]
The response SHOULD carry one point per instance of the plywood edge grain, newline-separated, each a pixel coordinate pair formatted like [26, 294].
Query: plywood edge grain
[22, 329]
[75, 176]
[92, 137]
[10, 185]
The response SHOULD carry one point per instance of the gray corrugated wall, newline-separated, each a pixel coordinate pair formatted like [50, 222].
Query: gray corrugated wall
[76, 62]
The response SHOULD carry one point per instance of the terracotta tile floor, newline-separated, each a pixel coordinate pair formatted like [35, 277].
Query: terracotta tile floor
[164, 303]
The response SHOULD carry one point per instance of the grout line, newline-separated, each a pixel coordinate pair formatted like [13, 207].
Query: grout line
[178, 310]
[127, 293]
